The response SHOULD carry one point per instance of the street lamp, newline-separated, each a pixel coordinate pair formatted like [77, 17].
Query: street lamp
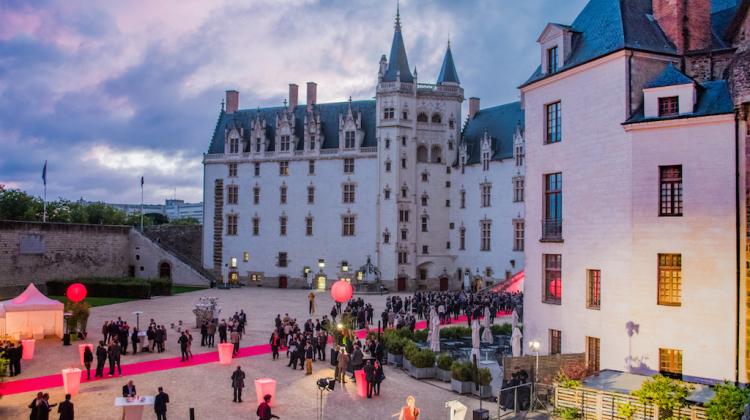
[344, 266]
[534, 346]
[321, 264]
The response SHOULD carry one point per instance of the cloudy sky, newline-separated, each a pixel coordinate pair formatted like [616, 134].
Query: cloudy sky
[109, 91]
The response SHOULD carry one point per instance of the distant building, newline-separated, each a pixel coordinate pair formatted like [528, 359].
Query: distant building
[172, 208]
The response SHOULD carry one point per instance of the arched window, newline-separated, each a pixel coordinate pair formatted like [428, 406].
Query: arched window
[436, 118]
[165, 270]
[436, 154]
[422, 117]
[422, 153]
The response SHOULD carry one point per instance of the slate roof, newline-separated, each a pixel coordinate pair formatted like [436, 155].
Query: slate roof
[500, 122]
[329, 117]
[713, 99]
[397, 62]
[670, 76]
[606, 26]
[448, 71]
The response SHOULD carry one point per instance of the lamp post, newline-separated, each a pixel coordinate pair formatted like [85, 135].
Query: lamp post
[137, 319]
[534, 346]
[345, 270]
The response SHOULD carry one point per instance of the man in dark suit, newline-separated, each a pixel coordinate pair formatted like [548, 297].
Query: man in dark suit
[160, 404]
[238, 382]
[113, 352]
[101, 358]
[128, 390]
[66, 409]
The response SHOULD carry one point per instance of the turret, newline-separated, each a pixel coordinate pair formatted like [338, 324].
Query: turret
[448, 72]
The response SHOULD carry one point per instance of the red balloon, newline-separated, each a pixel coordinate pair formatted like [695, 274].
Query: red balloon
[76, 292]
[341, 291]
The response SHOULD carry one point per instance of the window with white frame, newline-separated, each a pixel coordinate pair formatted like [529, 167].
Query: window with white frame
[349, 166]
[462, 199]
[310, 194]
[232, 220]
[311, 167]
[232, 169]
[309, 226]
[462, 238]
[234, 145]
[486, 235]
[347, 192]
[347, 225]
[282, 225]
[424, 222]
[518, 154]
[256, 168]
[284, 168]
[233, 192]
[350, 139]
[285, 144]
[282, 194]
[517, 189]
[256, 195]
[389, 113]
[256, 226]
[518, 234]
[486, 189]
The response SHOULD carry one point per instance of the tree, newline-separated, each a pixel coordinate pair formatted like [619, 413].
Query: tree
[157, 218]
[728, 403]
[666, 393]
[185, 221]
[17, 205]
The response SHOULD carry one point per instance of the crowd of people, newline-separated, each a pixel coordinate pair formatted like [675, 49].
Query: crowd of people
[304, 345]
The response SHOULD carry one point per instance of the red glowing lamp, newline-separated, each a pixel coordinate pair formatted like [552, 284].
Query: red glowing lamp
[341, 291]
[76, 292]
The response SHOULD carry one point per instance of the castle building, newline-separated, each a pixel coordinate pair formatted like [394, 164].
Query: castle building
[303, 195]
[636, 128]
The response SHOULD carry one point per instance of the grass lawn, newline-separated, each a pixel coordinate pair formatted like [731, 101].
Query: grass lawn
[95, 301]
[176, 290]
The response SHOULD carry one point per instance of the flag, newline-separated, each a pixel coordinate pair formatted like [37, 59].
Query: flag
[44, 173]
[141, 181]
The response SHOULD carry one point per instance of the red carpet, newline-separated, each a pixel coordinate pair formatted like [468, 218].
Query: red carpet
[52, 381]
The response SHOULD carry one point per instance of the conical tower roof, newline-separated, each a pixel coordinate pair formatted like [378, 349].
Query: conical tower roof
[398, 64]
[448, 71]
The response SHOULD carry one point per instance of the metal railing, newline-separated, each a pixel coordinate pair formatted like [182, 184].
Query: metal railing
[552, 229]
[528, 397]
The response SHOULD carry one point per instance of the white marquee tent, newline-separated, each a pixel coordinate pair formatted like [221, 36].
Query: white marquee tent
[31, 314]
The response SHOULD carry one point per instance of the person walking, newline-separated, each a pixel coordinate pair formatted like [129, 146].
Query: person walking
[378, 376]
[101, 358]
[275, 343]
[264, 409]
[311, 304]
[183, 340]
[189, 343]
[88, 357]
[343, 364]
[65, 408]
[234, 337]
[211, 333]
[160, 404]
[238, 382]
[309, 352]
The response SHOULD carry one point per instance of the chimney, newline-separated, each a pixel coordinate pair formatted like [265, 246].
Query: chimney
[293, 96]
[312, 94]
[233, 101]
[473, 107]
[687, 23]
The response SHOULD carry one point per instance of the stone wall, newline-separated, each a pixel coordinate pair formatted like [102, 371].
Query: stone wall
[183, 240]
[549, 366]
[37, 252]
[149, 258]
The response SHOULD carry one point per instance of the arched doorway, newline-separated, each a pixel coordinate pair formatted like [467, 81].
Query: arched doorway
[443, 283]
[165, 270]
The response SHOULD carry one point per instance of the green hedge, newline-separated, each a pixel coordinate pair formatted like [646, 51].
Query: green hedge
[462, 371]
[505, 329]
[455, 333]
[424, 358]
[420, 336]
[444, 361]
[123, 287]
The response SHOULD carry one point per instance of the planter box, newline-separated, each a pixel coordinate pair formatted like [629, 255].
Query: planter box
[407, 364]
[395, 359]
[461, 387]
[443, 375]
[484, 391]
[422, 373]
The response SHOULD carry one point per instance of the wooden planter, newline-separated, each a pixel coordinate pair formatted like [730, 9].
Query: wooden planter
[395, 359]
[461, 387]
[443, 375]
[422, 373]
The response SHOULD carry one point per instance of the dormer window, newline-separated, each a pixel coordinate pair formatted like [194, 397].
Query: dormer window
[257, 145]
[285, 143]
[552, 59]
[234, 145]
[349, 139]
[669, 106]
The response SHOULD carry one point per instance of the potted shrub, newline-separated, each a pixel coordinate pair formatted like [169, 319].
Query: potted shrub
[484, 377]
[423, 364]
[409, 349]
[395, 347]
[461, 377]
[443, 371]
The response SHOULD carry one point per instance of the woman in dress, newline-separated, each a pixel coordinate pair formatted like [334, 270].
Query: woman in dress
[189, 344]
[410, 411]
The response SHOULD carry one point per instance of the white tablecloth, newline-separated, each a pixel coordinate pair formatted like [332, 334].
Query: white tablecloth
[133, 410]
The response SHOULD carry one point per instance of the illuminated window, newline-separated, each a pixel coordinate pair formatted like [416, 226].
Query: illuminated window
[670, 279]
[593, 289]
[284, 168]
[670, 363]
[233, 262]
[555, 341]
[245, 256]
[552, 278]
[593, 349]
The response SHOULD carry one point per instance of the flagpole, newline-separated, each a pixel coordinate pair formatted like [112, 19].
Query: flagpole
[44, 216]
[141, 203]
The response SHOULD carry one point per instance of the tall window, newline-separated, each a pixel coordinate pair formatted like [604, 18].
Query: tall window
[404, 192]
[593, 289]
[309, 226]
[233, 192]
[284, 168]
[388, 113]
[462, 196]
[347, 192]
[486, 194]
[256, 169]
[403, 163]
[386, 237]
[519, 154]
[593, 349]
[282, 194]
[552, 60]
[311, 167]
[387, 143]
[462, 239]
[232, 224]
[387, 165]
[348, 166]
[282, 225]
[552, 278]
[486, 228]
[310, 194]
[232, 169]
[669, 106]
[424, 223]
[349, 139]
[670, 279]
[234, 145]
[517, 189]
[424, 201]
[256, 226]
[403, 216]
[486, 160]
[347, 225]
[555, 341]
[404, 234]
[281, 259]
[670, 362]
[670, 190]
[285, 143]
[312, 142]
[387, 194]
[518, 234]
[403, 257]
[422, 117]
[425, 251]
[554, 123]
[257, 145]
[256, 195]
[552, 225]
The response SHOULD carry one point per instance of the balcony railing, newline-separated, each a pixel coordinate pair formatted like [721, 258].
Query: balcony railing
[552, 230]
